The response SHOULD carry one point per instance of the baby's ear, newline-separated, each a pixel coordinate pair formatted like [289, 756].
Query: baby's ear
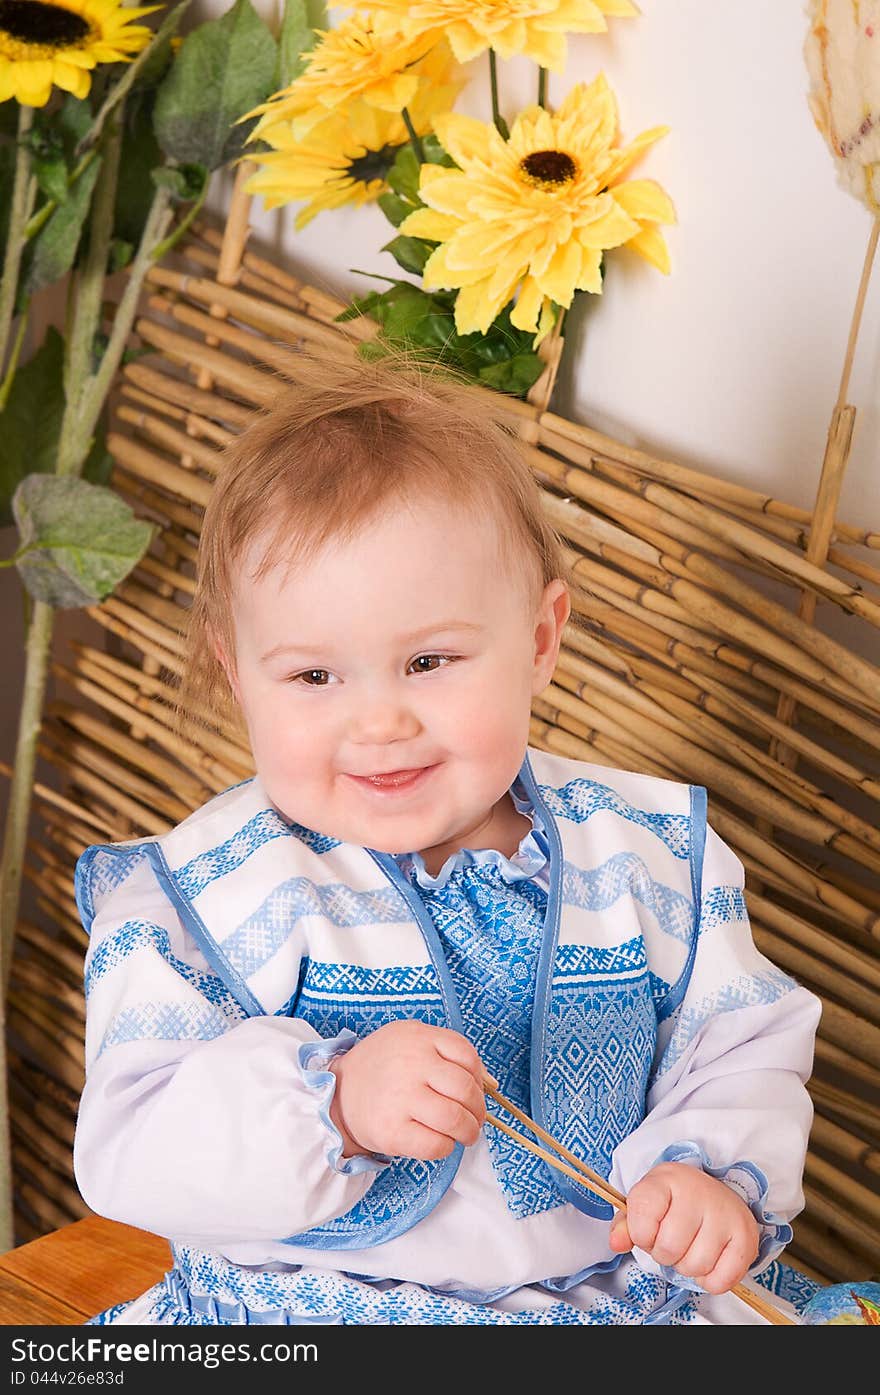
[227, 666]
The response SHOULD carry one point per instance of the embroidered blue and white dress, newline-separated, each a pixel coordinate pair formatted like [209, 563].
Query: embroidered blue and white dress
[605, 974]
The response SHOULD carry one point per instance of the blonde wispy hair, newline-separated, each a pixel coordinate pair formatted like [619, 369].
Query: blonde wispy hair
[340, 444]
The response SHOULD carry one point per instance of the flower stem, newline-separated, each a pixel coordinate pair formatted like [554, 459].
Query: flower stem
[24, 189]
[89, 288]
[6, 385]
[415, 142]
[172, 240]
[500, 123]
[542, 87]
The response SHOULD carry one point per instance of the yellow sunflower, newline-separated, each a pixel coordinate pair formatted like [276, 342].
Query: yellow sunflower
[350, 63]
[44, 44]
[532, 216]
[536, 28]
[346, 157]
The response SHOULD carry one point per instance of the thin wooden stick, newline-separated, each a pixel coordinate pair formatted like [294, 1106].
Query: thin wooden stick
[580, 1172]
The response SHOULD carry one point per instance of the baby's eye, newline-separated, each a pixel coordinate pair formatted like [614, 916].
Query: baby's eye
[312, 678]
[426, 662]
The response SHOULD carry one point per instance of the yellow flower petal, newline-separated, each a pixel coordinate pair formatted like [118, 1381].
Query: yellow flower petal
[558, 281]
[437, 275]
[651, 245]
[644, 198]
[475, 309]
[611, 229]
[590, 274]
[435, 227]
[33, 82]
[626, 158]
[72, 79]
[393, 94]
[524, 314]
[464, 137]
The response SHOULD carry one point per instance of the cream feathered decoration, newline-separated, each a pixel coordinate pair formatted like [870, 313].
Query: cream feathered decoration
[842, 52]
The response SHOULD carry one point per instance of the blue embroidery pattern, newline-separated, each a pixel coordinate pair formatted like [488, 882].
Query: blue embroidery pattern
[204, 1289]
[746, 991]
[259, 938]
[491, 933]
[165, 1022]
[199, 872]
[602, 886]
[579, 799]
[602, 1032]
[108, 870]
[722, 904]
[334, 996]
[142, 934]
[787, 1283]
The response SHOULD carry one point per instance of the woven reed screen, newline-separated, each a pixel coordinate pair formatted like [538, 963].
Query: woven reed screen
[676, 667]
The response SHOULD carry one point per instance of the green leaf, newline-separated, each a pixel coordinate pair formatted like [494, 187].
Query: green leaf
[71, 122]
[51, 176]
[186, 182]
[404, 175]
[516, 374]
[139, 156]
[31, 419]
[120, 255]
[79, 540]
[297, 37]
[409, 252]
[360, 305]
[395, 208]
[56, 243]
[223, 70]
[30, 425]
[435, 154]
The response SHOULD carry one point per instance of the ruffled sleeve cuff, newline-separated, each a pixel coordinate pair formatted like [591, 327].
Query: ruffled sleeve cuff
[751, 1185]
[313, 1059]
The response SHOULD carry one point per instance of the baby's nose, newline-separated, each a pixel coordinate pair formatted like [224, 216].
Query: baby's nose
[383, 720]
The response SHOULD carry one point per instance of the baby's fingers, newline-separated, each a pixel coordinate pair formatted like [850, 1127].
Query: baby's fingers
[618, 1236]
[731, 1265]
[646, 1207]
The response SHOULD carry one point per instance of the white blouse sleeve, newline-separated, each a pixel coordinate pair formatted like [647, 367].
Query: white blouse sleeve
[197, 1121]
[727, 1091]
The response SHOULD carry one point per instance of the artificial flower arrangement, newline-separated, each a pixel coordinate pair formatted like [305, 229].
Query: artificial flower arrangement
[110, 131]
[504, 225]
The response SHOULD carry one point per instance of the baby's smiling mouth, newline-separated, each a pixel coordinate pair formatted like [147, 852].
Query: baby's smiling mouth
[394, 779]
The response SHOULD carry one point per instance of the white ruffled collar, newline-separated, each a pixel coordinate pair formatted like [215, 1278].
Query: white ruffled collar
[530, 857]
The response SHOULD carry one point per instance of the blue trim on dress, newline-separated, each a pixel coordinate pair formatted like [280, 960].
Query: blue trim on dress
[699, 802]
[202, 935]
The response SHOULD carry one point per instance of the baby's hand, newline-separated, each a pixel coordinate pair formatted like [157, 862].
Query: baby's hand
[684, 1218]
[408, 1090]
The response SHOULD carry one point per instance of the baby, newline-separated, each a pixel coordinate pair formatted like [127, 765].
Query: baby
[294, 996]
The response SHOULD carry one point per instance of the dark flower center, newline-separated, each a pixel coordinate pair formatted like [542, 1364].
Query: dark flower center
[34, 22]
[548, 169]
[374, 165]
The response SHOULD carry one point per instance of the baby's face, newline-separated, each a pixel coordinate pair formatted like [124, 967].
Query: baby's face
[410, 648]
